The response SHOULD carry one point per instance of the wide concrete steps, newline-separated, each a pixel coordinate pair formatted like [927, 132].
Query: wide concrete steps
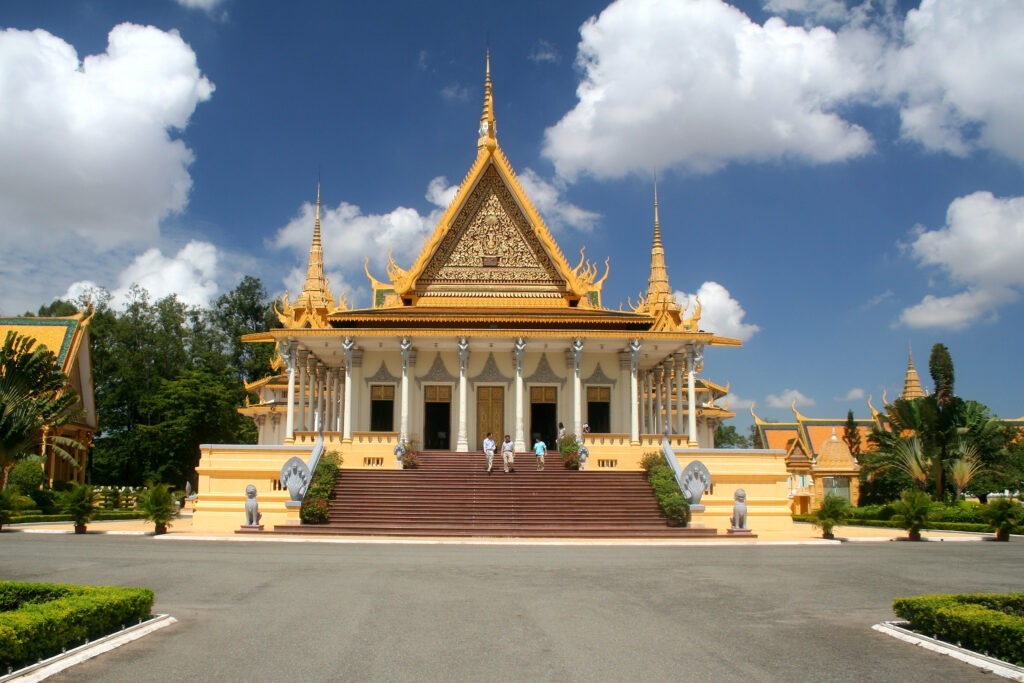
[451, 494]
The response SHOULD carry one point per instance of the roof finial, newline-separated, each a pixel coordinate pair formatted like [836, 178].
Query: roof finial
[488, 124]
[659, 292]
[911, 382]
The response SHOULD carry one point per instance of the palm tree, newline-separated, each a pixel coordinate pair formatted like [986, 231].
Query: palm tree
[912, 511]
[963, 469]
[834, 511]
[910, 458]
[35, 402]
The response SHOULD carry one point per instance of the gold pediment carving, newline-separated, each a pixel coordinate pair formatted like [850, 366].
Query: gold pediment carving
[491, 245]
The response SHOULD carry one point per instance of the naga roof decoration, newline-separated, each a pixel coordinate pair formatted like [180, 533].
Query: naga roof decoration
[492, 243]
[316, 302]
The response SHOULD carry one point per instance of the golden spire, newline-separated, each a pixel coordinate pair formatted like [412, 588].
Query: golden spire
[911, 382]
[659, 293]
[314, 291]
[488, 124]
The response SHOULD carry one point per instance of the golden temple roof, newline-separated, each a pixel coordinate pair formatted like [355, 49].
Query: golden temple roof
[911, 382]
[316, 302]
[835, 455]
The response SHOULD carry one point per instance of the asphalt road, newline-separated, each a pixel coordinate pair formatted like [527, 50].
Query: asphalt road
[365, 612]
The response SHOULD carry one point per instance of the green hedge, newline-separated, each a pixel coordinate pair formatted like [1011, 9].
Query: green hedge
[38, 620]
[932, 525]
[315, 507]
[989, 623]
[666, 489]
[100, 515]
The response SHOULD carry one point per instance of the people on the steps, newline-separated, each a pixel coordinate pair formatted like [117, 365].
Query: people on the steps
[489, 451]
[508, 454]
[540, 449]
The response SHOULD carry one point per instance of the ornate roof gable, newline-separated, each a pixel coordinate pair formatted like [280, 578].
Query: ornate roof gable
[492, 243]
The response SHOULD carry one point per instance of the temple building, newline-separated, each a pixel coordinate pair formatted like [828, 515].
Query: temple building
[68, 339]
[490, 330]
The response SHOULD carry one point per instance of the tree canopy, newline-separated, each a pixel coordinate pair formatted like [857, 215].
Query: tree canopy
[169, 377]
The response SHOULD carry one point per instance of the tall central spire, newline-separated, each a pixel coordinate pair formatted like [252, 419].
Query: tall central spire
[911, 382]
[315, 288]
[488, 124]
[658, 290]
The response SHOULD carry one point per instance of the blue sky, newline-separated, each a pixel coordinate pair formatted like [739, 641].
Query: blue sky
[838, 181]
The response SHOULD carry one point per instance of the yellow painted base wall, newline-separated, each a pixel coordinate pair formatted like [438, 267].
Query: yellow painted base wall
[225, 470]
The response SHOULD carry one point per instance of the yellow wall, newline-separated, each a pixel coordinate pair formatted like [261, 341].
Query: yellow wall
[225, 471]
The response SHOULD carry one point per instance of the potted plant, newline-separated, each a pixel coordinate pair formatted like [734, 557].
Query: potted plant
[913, 510]
[157, 504]
[834, 510]
[80, 503]
[1002, 514]
[569, 448]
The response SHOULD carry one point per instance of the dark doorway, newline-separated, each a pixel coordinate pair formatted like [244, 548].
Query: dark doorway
[543, 423]
[437, 417]
[382, 408]
[599, 409]
[437, 420]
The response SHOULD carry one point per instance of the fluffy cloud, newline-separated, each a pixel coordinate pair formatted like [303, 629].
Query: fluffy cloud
[956, 73]
[855, 394]
[788, 398]
[190, 274]
[720, 313]
[207, 5]
[547, 197]
[542, 52]
[697, 84]
[981, 247]
[86, 144]
[736, 402]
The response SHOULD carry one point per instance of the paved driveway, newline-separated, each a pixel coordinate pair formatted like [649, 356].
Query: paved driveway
[258, 611]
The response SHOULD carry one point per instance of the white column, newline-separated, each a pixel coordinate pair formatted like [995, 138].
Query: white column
[407, 355]
[649, 402]
[680, 364]
[577, 387]
[288, 355]
[303, 377]
[634, 393]
[338, 399]
[329, 401]
[659, 373]
[517, 356]
[318, 397]
[693, 365]
[462, 443]
[348, 347]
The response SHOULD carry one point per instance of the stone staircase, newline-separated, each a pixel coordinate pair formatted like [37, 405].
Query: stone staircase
[451, 494]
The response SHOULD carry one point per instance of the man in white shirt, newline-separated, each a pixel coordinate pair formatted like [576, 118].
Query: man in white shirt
[508, 454]
[489, 447]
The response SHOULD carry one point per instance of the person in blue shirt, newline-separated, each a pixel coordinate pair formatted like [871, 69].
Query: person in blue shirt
[540, 449]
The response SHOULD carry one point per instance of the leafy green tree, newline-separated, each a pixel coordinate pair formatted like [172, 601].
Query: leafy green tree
[755, 437]
[35, 402]
[726, 436]
[246, 310]
[851, 435]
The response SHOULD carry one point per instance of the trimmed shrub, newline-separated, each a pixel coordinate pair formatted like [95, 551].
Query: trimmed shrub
[27, 475]
[37, 620]
[666, 490]
[314, 504]
[569, 449]
[989, 623]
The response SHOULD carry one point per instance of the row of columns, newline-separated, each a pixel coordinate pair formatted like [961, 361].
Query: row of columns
[652, 400]
[661, 391]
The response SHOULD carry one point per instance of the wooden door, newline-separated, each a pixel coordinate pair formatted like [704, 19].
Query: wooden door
[490, 414]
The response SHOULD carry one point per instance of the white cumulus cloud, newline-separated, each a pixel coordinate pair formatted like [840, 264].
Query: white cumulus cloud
[855, 394]
[86, 144]
[788, 398]
[957, 76]
[191, 274]
[980, 247]
[696, 84]
[720, 313]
